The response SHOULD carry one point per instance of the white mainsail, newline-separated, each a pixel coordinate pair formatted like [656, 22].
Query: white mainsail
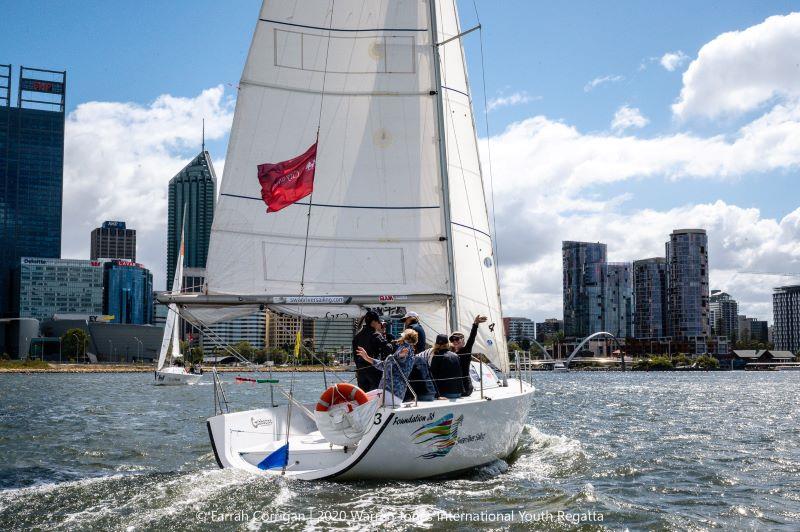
[362, 73]
[172, 326]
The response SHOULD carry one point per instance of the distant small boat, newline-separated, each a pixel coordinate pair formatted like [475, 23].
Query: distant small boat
[171, 375]
[560, 367]
[787, 368]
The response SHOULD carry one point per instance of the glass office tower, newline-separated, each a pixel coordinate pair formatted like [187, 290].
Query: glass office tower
[128, 292]
[584, 287]
[195, 188]
[31, 171]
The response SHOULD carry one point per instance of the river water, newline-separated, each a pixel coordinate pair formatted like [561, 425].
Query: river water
[608, 450]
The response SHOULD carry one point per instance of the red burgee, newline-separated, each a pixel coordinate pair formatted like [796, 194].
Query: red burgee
[284, 183]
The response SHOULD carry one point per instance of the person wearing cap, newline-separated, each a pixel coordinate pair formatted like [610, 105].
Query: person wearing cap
[446, 369]
[395, 370]
[464, 351]
[411, 320]
[370, 338]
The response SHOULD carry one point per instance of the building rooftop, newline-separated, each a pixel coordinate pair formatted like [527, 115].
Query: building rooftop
[696, 231]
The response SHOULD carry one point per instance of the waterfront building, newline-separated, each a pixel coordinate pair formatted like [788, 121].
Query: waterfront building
[583, 287]
[193, 188]
[650, 298]
[334, 335]
[44, 287]
[519, 329]
[618, 300]
[128, 292]
[759, 330]
[113, 240]
[282, 330]
[687, 284]
[786, 318]
[723, 312]
[251, 329]
[159, 311]
[743, 332]
[31, 171]
[548, 328]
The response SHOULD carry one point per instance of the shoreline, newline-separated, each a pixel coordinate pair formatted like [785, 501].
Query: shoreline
[130, 368]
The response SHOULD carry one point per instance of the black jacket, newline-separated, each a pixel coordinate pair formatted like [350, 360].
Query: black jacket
[465, 358]
[446, 373]
[376, 346]
[420, 347]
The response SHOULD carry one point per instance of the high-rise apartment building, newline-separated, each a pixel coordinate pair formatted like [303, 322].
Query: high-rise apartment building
[723, 312]
[519, 329]
[649, 298]
[548, 328]
[618, 301]
[583, 287]
[128, 292]
[282, 330]
[786, 318]
[31, 171]
[113, 240]
[251, 329]
[44, 287]
[194, 190]
[687, 284]
[334, 335]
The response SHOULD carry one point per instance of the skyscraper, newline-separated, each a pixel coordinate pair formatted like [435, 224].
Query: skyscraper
[649, 298]
[127, 292]
[113, 240]
[723, 312]
[618, 303]
[786, 316]
[584, 287]
[195, 188]
[31, 171]
[687, 284]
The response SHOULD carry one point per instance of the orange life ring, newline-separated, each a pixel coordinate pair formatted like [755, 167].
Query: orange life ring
[341, 393]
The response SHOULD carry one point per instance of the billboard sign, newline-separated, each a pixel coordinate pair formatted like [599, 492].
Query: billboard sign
[40, 85]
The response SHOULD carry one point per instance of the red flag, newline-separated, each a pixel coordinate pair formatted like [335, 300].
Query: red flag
[284, 183]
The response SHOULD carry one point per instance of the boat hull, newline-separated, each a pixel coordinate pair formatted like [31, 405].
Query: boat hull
[175, 378]
[435, 438]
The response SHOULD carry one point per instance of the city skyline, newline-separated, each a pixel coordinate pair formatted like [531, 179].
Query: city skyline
[618, 147]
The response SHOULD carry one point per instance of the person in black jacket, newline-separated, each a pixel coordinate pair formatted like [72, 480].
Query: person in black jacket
[446, 369]
[464, 350]
[411, 320]
[375, 344]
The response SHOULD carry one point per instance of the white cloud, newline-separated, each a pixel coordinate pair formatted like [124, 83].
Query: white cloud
[119, 158]
[740, 71]
[515, 98]
[672, 60]
[600, 81]
[628, 117]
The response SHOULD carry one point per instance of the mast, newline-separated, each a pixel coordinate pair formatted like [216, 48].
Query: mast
[448, 228]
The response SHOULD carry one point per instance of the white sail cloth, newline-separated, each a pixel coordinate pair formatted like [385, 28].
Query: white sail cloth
[360, 74]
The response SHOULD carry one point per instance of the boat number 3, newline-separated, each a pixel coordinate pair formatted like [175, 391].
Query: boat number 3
[378, 417]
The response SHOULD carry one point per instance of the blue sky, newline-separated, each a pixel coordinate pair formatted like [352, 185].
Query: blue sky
[543, 55]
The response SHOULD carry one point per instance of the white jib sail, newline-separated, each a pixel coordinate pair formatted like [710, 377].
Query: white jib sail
[377, 223]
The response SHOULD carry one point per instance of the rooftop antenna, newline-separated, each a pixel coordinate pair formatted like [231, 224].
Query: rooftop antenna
[204, 135]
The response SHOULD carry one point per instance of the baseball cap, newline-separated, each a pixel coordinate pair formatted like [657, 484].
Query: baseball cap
[411, 314]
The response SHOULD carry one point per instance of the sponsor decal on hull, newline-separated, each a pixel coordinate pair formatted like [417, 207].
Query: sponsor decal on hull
[439, 436]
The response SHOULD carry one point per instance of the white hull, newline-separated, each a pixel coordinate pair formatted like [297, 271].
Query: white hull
[174, 376]
[479, 431]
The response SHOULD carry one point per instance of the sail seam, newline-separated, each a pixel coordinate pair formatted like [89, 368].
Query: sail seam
[394, 207]
[295, 25]
[333, 93]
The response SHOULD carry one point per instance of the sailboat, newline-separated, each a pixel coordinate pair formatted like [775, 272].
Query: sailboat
[397, 221]
[168, 374]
